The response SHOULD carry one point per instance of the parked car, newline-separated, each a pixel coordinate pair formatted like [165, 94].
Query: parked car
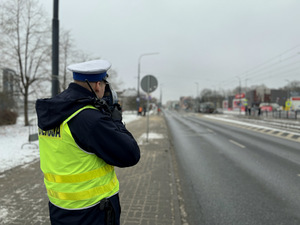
[207, 107]
[269, 107]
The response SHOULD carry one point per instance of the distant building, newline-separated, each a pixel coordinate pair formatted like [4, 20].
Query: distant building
[257, 96]
[186, 103]
[263, 94]
[130, 92]
[9, 89]
[127, 99]
[172, 105]
[278, 96]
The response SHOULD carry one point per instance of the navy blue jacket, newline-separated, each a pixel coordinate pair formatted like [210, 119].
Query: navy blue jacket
[94, 131]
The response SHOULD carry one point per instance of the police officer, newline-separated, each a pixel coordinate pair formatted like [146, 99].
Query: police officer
[81, 140]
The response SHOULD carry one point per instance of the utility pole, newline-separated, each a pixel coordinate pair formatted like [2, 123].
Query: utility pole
[196, 99]
[55, 49]
[160, 97]
[288, 89]
[240, 96]
[197, 89]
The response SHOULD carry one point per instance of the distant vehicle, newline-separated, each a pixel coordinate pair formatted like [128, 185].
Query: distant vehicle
[295, 102]
[269, 107]
[207, 107]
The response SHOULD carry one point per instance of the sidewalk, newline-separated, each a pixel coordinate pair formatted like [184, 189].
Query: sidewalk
[147, 191]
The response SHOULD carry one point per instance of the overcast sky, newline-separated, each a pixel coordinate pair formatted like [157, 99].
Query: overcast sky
[201, 43]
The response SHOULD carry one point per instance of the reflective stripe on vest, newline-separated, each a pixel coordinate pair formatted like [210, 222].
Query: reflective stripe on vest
[74, 179]
[87, 194]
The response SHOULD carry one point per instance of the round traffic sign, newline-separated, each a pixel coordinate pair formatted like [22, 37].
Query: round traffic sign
[149, 83]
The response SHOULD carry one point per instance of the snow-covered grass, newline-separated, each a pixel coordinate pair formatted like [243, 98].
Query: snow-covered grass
[129, 116]
[12, 137]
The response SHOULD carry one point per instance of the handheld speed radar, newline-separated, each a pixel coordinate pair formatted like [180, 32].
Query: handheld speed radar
[110, 96]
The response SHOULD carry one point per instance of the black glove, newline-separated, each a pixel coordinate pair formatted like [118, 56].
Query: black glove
[101, 105]
[116, 113]
[117, 105]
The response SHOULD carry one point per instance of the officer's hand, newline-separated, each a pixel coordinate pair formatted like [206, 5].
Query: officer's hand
[117, 105]
[116, 114]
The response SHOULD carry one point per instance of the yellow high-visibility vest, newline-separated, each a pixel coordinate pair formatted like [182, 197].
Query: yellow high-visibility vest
[74, 178]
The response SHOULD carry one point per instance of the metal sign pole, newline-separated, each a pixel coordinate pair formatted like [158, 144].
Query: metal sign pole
[148, 88]
[149, 84]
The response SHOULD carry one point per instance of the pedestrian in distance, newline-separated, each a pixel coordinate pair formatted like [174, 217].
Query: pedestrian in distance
[140, 111]
[81, 140]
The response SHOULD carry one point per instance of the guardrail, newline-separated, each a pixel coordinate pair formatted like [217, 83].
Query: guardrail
[282, 114]
[293, 115]
[287, 120]
[32, 134]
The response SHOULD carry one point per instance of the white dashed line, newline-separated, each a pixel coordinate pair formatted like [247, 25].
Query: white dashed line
[238, 144]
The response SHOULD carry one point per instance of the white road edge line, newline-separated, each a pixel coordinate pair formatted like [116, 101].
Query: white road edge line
[236, 143]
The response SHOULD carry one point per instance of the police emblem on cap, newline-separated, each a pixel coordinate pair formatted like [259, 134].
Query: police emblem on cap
[92, 71]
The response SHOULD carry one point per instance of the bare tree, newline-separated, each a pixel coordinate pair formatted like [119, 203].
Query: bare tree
[293, 86]
[206, 95]
[113, 79]
[67, 53]
[25, 44]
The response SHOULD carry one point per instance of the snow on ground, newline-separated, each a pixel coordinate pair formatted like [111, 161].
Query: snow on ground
[129, 116]
[12, 137]
[151, 136]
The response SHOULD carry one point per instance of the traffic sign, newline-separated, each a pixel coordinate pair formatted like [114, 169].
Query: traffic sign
[149, 83]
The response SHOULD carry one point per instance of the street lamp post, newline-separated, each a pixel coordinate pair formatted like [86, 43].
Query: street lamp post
[138, 82]
[55, 49]
[196, 108]
[288, 89]
[160, 97]
[197, 90]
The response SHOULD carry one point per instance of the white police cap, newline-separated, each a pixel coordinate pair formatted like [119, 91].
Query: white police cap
[92, 71]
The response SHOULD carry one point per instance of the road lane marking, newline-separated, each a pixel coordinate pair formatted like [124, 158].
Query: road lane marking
[211, 131]
[236, 143]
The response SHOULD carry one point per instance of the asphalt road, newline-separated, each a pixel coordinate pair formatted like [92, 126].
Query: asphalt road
[235, 176]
